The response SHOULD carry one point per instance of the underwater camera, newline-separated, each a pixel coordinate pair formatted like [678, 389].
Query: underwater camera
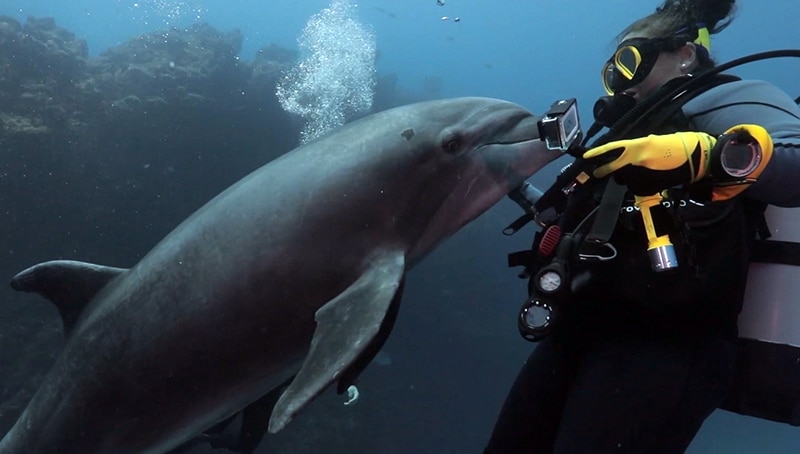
[560, 127]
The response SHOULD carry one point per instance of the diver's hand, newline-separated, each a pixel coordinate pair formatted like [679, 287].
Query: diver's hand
[648, 165]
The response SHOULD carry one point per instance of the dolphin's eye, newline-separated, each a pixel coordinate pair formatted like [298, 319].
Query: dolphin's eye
[452, 144]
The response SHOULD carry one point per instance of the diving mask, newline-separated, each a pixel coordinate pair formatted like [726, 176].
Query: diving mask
[635, 57]
[633, 61]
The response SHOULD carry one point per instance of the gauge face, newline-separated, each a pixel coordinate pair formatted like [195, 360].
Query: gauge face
[549, 281]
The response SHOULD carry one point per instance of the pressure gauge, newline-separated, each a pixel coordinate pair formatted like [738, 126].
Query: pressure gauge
[549, 281]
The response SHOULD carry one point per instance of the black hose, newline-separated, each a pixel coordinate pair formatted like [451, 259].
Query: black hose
[647, 109]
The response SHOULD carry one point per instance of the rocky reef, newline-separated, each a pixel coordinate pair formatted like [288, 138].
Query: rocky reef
[42, 67]
[48, 83]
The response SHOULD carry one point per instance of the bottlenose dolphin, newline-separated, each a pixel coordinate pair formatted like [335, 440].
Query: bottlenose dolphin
[294, 271]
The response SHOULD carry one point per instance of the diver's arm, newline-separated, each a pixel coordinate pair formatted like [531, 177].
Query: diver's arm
[761, 103]
[779, 184]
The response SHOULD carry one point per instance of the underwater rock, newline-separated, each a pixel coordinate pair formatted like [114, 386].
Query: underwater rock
[50, 85]
[41, 64]
[177, 65]
[269, 64]
[41, 48]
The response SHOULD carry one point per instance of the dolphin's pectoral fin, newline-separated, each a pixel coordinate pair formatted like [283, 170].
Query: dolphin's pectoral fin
[347, 327]
[349, 376]
[67, 283]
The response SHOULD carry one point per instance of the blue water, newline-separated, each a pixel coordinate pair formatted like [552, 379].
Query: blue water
[531, 52]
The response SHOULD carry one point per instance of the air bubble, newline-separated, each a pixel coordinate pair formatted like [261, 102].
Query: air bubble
[335, 77]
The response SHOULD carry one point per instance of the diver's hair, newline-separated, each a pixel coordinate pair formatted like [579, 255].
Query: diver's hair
[674, 18]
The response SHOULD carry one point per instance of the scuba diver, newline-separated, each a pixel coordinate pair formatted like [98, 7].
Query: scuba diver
[643, 264]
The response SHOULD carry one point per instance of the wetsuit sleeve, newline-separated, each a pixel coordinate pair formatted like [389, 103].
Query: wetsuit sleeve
[761, 103]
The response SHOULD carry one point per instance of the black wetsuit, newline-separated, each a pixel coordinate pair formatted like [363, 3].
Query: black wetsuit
[639, 359]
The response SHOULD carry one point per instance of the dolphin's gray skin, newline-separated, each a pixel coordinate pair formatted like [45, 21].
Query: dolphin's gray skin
[297, 269]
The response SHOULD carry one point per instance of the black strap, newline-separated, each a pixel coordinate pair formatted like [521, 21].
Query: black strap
[521, 258]
[607, 213]
[519, 223]
[779, 252]
[554, 196]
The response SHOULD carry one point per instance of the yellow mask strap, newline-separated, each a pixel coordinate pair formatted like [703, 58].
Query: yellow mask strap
[703, 38]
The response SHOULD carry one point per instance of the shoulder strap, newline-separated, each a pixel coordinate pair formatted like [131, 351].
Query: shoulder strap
[778, 252]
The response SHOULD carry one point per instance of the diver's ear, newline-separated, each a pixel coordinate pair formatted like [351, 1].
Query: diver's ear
[687, 55]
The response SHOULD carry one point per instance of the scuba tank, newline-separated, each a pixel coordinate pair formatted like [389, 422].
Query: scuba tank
[767, 379]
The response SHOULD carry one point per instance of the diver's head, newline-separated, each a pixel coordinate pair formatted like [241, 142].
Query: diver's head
[672, 42]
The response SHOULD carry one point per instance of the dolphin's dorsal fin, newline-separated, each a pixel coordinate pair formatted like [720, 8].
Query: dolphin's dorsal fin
[70, 285]
[347, 327]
